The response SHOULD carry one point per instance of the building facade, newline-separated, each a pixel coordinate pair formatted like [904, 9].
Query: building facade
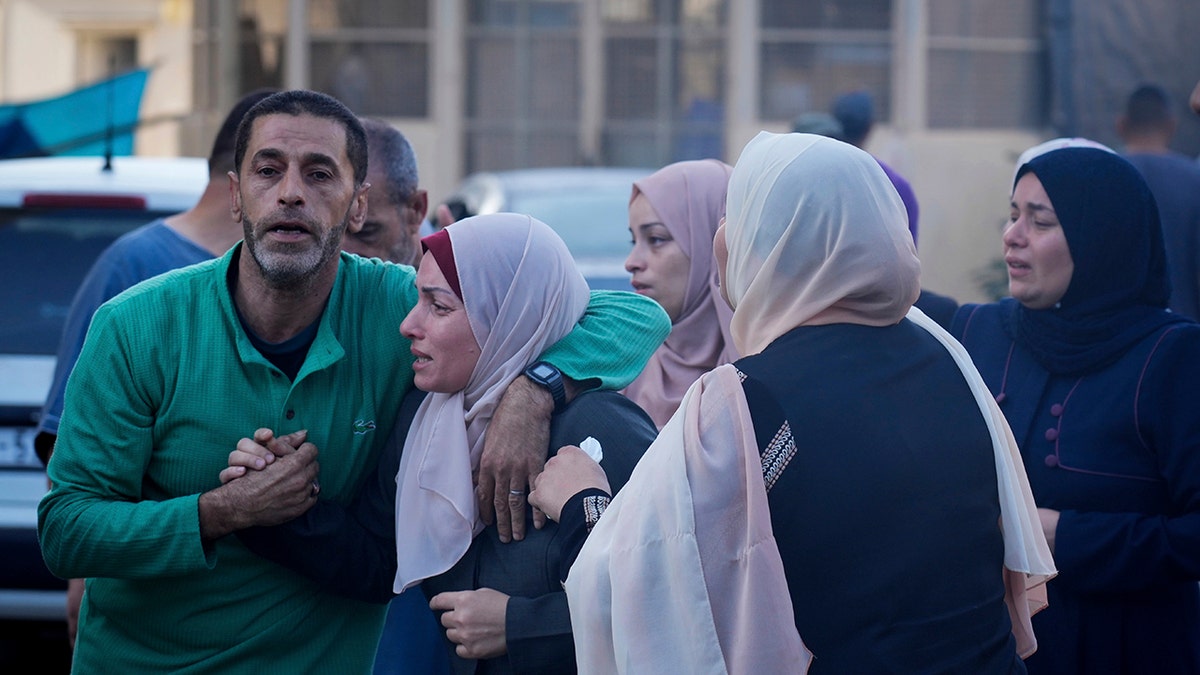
[960, 87]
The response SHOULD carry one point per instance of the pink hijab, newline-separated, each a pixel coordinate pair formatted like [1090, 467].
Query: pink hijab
[522, 293]
[689, 198]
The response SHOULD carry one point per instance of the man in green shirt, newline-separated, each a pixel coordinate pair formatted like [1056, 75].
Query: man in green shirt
[284, 332]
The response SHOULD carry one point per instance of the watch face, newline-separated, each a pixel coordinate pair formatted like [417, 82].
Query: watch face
[543, 371]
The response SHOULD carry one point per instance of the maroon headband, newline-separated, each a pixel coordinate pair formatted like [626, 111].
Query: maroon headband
[439, 245]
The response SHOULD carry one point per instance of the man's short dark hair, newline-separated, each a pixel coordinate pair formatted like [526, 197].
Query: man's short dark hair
[1148, 109]
[220, 158]
[391, 152]
[298, 102]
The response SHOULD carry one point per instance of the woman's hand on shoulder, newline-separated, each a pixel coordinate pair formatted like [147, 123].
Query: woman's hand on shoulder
[567, 473]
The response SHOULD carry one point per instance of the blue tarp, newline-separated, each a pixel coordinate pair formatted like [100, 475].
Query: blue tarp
[88, 121]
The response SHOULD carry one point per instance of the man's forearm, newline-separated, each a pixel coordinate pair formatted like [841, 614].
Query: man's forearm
[514, 452]
[218, 516]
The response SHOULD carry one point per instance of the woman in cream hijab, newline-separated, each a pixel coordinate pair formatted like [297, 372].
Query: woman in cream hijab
[841, 483]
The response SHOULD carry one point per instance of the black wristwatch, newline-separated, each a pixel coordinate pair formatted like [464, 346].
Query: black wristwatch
[549, 377]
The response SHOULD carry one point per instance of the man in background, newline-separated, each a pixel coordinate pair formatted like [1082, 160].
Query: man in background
[855, 111]
[1146, 128]
[397, 205]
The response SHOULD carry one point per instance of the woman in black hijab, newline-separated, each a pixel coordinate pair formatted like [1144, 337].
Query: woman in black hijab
[1098, 382]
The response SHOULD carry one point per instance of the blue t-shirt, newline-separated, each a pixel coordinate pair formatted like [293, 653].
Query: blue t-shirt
[136, 256]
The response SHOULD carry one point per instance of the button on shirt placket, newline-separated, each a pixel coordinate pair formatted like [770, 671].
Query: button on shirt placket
[283, 389]
[1054, 459]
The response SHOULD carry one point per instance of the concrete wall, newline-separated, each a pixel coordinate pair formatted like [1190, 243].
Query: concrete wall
[963, 181]
[38, 53]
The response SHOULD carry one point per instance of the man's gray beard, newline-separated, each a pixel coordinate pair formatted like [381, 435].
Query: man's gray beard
[284, 270]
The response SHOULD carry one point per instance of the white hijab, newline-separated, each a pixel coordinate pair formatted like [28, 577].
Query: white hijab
[522, 293]
[816, 235]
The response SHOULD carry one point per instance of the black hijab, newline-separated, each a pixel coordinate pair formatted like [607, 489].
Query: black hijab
[1119, 289]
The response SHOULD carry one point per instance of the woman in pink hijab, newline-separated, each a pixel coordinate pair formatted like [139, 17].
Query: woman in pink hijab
[673, 214]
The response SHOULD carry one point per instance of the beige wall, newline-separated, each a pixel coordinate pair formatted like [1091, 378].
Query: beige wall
[40, 55]
[167, 44]
[962, 181]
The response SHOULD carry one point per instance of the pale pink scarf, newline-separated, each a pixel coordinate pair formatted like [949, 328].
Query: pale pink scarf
[682, 573]
[522, 293]
[689, 198]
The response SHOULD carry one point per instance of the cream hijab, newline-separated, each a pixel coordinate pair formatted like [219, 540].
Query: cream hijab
[816, 235]
[682, 573]
[689, 198]
[839, 251]
[522, 293]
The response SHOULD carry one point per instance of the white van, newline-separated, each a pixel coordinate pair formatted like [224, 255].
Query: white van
[56, 215]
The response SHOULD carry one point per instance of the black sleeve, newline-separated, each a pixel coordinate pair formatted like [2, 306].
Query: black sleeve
[349, 550]
[624, 431]
[538, 628]
[538, 634]
[578, 516]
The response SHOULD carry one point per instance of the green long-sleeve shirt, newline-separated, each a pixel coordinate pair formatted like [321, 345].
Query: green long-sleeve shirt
[166, 384]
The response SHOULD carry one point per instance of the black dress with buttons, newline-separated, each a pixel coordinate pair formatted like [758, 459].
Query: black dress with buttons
[1117, 452]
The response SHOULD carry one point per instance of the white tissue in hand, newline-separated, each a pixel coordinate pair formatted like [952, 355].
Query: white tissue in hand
[592, 447]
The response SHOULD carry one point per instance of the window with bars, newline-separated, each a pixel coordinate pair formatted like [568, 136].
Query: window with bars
[664, 81]
[987, 66]
[373, 55]
[523, 84]
[259, 27]
[812, 51]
